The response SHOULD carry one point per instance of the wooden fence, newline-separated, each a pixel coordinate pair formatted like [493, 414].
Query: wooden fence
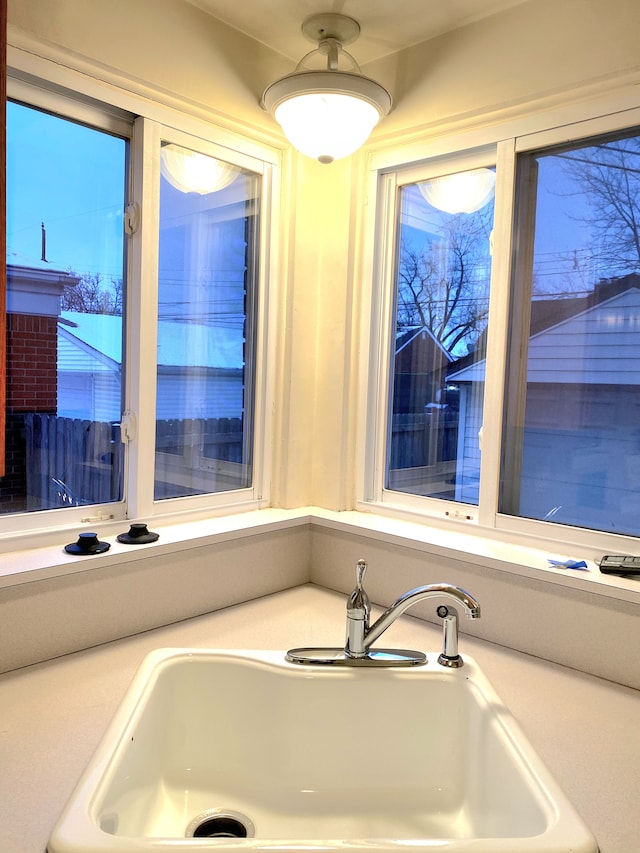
[423, 453]
[71, 462]
[420, 439]
[215, 438]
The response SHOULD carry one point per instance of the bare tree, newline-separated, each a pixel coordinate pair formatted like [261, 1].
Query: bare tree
[607, 177]
[443, 285]
[93, 296]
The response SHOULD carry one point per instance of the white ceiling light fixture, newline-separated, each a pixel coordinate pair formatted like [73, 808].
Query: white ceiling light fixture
[463, 192]
[327, 113]
[192, 172]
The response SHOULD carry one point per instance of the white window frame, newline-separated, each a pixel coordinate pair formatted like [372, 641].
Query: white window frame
[141, 399]
[388, 171]
[46, 85]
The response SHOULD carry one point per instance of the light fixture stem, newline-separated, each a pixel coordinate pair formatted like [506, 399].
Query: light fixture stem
[332, 47]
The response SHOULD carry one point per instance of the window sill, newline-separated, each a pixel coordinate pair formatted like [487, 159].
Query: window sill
[456, 541]
[452, 541]
[35, 564]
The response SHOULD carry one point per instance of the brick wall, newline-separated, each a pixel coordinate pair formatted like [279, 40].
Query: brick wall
[31, 387]
[31, 363]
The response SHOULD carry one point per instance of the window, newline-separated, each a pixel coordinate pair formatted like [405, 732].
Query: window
[443, 269]
[548, 355]
[207, 300]
[136, 314]
[66, 196]
[572, 432]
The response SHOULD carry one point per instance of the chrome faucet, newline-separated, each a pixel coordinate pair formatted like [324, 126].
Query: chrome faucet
[361, 635]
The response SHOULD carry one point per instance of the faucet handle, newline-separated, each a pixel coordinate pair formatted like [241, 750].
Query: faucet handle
[358, 605]
[358, 612]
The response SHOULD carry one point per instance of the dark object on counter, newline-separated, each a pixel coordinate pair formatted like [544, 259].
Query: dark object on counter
[87, 543]
[620, 565]
[138, 535]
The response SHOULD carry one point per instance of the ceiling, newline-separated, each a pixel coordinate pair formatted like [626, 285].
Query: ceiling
[386, 25]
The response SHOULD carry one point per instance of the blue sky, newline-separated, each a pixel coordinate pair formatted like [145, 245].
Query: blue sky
[71, 178]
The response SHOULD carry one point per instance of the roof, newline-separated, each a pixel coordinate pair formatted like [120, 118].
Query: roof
[596, 346]
[30, 262]
[99, 338]
[408, 335]
[200, 345]
[418, 351]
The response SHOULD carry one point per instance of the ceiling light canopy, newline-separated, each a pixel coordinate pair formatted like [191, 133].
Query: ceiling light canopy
[462, 192]
[328, 113]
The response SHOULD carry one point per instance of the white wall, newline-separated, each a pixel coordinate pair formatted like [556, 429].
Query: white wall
[537, 49]
[168, 44]
[55, 616]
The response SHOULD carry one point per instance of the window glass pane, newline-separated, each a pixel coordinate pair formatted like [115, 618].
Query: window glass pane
[65, 204]
[441, 309]
[207, 286]
[573, 428]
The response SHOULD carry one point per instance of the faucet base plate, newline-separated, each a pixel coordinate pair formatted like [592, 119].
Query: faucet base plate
[338, 657]
[454, 661]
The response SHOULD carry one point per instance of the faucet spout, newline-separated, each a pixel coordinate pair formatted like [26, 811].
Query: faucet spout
[359, 640]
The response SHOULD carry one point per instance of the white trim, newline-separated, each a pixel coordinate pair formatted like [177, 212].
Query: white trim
[38, 93]
[262, 383]
[448, 163]
[590, 127]
[497, 335]
[142, 301]
[376, 336]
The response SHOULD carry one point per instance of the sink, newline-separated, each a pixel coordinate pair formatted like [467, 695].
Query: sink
[264, 754]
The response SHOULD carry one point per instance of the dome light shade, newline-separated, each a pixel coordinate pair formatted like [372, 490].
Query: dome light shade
[463, 192]
[329, 113]
[192, 172]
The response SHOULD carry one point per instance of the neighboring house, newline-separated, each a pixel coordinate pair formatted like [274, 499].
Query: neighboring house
[34, 288]
[582, 408]
[200, 369]
[419, 367]
[89, 359]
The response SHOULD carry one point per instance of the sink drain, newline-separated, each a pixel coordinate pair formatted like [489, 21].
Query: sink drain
[220, 823]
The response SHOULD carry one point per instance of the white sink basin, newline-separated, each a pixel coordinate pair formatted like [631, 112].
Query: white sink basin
[306, 758]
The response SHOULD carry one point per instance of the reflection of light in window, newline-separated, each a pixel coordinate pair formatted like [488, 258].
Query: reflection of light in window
[463, 192]
[192, 172]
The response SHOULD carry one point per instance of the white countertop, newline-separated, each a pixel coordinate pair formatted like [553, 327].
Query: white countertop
[52, 715]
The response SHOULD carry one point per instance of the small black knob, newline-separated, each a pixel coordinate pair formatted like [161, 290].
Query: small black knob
[88, 543]
[138, 534]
